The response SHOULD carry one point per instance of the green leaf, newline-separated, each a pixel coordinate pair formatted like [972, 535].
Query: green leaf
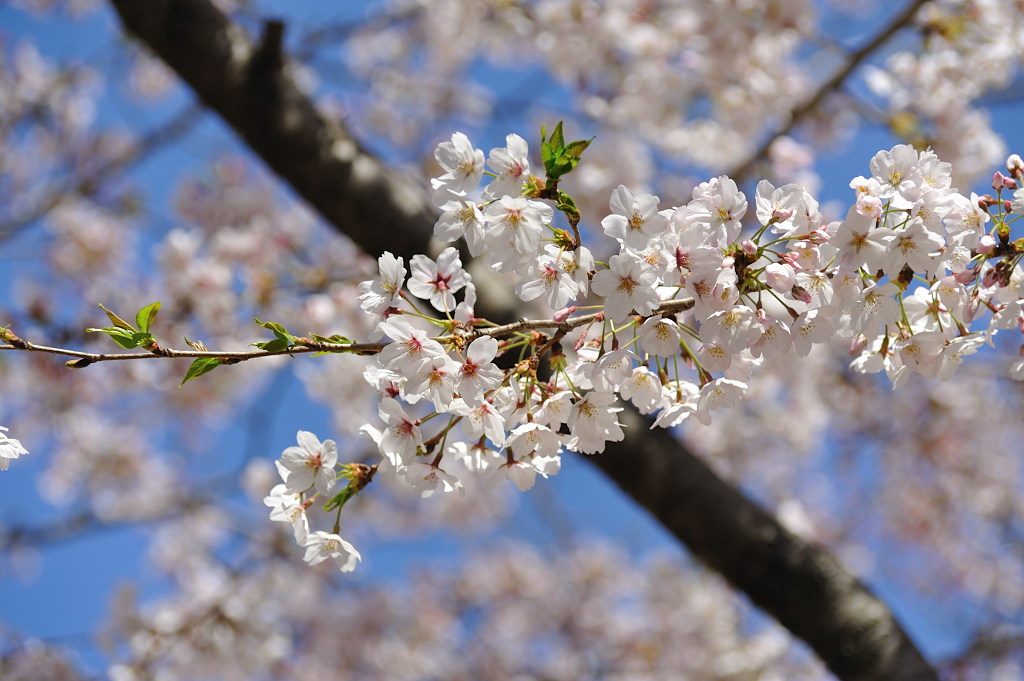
[336, 339]
[276, 328]
[276, 345]
[551, 150]
[566, 204]
[117, 321]
[144, 319]
[575, 149]
[142, 339]
[339, 499]
[125, 341]
[566, 158]
[557, 140]
[123, 337]
[202, 365]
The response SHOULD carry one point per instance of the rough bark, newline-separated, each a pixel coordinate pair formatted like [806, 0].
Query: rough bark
[798, 583]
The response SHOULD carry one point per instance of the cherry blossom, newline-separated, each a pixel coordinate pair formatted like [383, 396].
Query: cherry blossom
[437, 281]
[627, 285]
[635, 219]
[321, 545]
[9, 449]
[310, 464]
[465, 165]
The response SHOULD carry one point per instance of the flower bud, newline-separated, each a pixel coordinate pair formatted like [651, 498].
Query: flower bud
[997, 181]
[986, 244]
[801, 294]
[782, 214]
[819, 236]
[1015, 164]
[564, 313]
[749, 247]
[1007, 207]
[965, 276]
[1009, 183]
[990, 278]
[857, 345]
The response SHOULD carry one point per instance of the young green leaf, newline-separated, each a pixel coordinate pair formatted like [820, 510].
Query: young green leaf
[144, 319]
[123, 337]
[557, 140]
[336, 339]
[275, 345]
[275, 327]
[117, 321]
[551, 150]
[567, 205]
[202, 365]
[339, 499]
[574, 150]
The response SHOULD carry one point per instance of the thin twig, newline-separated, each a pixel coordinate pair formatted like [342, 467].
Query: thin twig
[85, 186]
[856, 58]
[305, 345]
[668, 307]
[168, 353]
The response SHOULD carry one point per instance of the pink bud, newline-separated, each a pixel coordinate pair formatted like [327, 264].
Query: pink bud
[801, 294]
[1009, 183]
[1015, 164]
[819, 236]
[997, 181]
[986, 244]
[564, 313]
[965, 277]
[749, 247]
[762, 316]
[990, 277]
[1007, 207]
[782, 214]
[857, 345]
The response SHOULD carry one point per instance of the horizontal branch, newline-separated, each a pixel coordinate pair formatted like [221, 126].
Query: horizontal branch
[229, 357]
[668, 307]
[305, 345]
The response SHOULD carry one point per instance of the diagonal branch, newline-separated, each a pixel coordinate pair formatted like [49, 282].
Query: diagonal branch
[799, 584]
[855, 59]
[87, 185]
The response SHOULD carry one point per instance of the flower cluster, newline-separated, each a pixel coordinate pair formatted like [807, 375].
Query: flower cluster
[309, 466]
[691, 306]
